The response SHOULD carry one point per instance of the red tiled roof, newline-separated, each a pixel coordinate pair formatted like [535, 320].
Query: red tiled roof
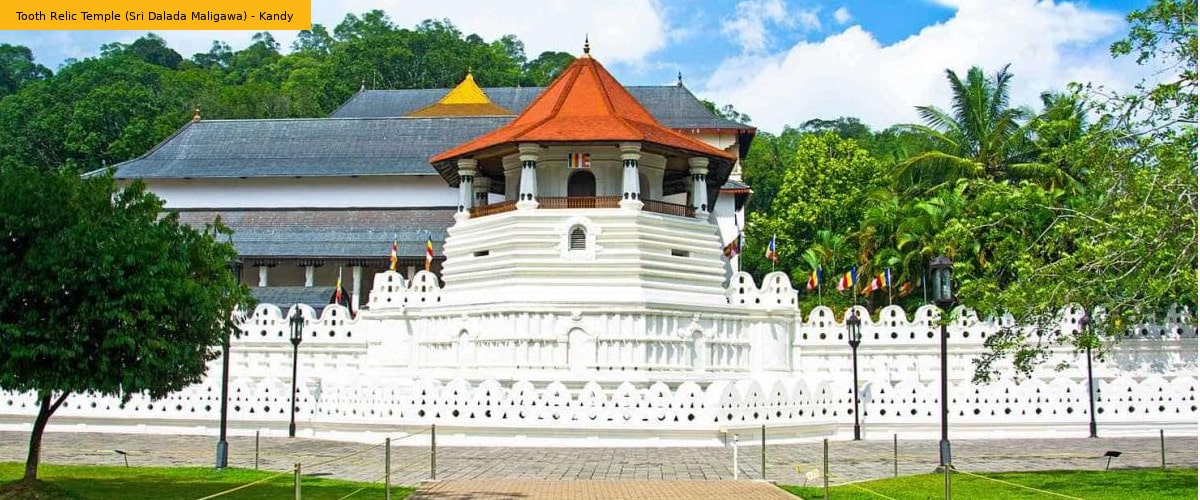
[584, 104]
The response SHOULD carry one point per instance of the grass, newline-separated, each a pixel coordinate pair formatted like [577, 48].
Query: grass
[1123, 484]
[86, 482]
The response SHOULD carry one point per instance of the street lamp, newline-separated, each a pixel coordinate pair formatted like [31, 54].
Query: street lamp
[235, 267]
[1084, 323]
[854, 328]
[297, 321]
[943, 296]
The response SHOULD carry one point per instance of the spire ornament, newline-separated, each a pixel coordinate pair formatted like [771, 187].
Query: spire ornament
[587, 46]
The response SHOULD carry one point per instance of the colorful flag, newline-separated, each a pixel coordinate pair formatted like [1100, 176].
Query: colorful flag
[876, 284]
[887, 277]
[848, 280]
[579, 160]
[771, 255]
[392, 267]
[814, 280]
[734, 247]
[337, 289]
[428, 252]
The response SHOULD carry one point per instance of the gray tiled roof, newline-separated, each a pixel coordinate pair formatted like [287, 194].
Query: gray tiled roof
[284, 296]
[351, 233]
[305, 147]
[674, 106]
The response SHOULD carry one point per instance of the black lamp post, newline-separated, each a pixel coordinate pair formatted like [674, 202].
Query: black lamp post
[297, 321]
[854, 328]
[943, 296]
[235, 267]
[1084, 323]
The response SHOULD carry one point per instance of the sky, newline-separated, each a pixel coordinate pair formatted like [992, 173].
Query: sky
[782, 62]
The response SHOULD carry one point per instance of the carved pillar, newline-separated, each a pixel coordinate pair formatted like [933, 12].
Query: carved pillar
[357, 277]
[699, 172]
[527, 198]
[308, 275]
[631, 187]
[466, 187]
[482, 188]
[262, 275]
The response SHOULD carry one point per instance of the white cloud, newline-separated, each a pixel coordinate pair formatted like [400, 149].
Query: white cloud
[851, 74]
[621, 31]
[751, 24]
[842, 15]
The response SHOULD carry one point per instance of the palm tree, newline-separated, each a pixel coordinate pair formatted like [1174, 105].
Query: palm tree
[981, 137]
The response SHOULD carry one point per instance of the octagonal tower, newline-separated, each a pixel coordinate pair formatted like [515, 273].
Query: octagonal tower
[584, 199]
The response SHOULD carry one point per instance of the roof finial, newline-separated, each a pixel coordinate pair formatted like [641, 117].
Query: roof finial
[196, 117]
[679, 79]
[363, 84]
[587, 46]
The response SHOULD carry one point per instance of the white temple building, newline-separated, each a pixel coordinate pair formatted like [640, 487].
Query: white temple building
[579, 294]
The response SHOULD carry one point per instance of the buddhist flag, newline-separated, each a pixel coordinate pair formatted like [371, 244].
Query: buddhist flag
[848, 280]
[579, 160]
[814, 280]
[887, 278]
[734, 247]
[771, 255]
[337, 289]
[428, 252]
[876, 284]
[392, 267]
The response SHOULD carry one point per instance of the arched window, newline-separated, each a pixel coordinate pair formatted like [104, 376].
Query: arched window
[578, 238]
[581, 183]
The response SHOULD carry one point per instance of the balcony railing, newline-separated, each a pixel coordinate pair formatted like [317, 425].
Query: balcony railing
[494, 208]
[662, 207]
[557, 202]
[579, 202]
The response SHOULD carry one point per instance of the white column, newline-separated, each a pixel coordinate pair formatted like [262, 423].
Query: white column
[631, 187]
[527, 198]
[262, 275]
[483, 186]
[308, 275]
[699, 171]
[466, 187]
[357, 277]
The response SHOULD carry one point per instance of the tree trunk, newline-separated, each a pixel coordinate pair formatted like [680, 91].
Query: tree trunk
[39, 425]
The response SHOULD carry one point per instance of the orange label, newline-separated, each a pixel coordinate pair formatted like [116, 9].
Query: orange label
[157, 15]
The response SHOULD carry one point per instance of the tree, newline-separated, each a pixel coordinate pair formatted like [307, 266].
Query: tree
[543, 70]
[1124, 246]
[103, 294]
[982, 137]
[17, 68]
[821, 186]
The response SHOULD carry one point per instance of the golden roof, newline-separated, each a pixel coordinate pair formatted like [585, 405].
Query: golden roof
[466, 99]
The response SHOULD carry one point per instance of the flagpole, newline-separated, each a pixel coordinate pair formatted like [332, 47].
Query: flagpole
[889, 285]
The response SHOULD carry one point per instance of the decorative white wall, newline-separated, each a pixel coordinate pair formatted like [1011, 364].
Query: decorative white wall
[620, 376]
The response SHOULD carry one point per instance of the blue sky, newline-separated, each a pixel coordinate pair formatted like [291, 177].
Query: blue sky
[780, 61]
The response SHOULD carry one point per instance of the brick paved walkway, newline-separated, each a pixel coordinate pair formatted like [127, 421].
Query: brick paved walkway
[849, 460]
[588, 490]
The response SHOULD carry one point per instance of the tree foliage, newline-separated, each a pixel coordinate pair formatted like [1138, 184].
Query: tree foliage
[108, 109]
[1089, 202]
[101, 294]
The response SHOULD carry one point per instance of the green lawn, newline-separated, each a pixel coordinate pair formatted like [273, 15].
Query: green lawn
[1123, 484]
[96, 482]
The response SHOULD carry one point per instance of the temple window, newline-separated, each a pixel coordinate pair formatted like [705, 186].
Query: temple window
[578, 239]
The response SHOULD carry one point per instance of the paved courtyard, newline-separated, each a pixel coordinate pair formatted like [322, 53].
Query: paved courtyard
[786, 464]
